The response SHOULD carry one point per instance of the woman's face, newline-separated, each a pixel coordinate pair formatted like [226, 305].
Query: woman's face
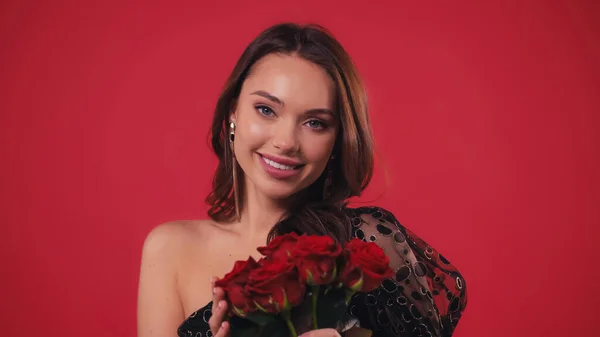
[285, 125]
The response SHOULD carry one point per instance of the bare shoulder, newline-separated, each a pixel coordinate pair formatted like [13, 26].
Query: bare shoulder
[164, 236]
[169, 238]
[160, 308]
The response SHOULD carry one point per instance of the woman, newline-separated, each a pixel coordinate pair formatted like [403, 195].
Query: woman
[293, 139]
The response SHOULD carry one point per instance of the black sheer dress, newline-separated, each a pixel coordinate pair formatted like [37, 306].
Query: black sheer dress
[426, 297]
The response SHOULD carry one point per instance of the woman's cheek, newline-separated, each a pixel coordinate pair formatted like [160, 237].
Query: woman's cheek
[318, 148]
[256, 129]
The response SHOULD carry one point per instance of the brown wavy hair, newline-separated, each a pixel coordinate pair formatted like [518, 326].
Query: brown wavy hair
[352, 163]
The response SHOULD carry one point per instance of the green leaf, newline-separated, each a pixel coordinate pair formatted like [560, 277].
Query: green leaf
[261, 318]
[331, 307]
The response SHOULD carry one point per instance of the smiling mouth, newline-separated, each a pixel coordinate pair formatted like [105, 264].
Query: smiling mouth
[279, 166]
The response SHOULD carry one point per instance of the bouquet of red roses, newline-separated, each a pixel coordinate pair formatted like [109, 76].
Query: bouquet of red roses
[300, 284]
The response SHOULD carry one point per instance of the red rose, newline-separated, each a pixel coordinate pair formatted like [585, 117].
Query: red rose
[366, 266]
[274, 287]
[316, 259]
[280, 247]
[234, 285]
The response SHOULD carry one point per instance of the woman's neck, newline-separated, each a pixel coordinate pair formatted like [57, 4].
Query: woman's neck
[260, 213]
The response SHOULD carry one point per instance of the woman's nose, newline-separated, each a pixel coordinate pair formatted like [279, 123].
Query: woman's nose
[285, 138]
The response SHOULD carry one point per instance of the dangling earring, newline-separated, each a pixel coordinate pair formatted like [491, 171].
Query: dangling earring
[236, 196]
[328, 180]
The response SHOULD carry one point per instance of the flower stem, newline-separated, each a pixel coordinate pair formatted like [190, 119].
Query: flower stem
[315, 296]
[288, 320]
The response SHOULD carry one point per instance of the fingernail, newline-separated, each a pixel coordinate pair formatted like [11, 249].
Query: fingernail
[220, 304]
[223, 324]
[214, 290]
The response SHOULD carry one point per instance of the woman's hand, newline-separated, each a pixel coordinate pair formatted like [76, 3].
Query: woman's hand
[321, 333]
[218, 326]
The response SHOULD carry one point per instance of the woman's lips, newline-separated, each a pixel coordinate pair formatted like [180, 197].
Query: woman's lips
[280, 168]
[281, 160]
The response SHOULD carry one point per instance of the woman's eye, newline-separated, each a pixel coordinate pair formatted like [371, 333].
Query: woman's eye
[264, 110]
[316, 124]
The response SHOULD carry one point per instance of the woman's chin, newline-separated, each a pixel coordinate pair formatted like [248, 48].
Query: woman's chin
[278, 191]
[280, 194]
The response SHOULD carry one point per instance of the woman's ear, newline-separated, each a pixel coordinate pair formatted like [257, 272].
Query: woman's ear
[232, 112]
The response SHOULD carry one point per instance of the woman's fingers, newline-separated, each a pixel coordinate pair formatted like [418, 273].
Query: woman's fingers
[321, 333]
[219, 310]
[219, 313]
[223, 330]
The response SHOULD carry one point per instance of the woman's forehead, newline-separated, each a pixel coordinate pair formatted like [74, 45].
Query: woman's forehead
[294, 81]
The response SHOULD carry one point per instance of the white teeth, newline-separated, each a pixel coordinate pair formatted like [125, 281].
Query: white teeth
[277, 165]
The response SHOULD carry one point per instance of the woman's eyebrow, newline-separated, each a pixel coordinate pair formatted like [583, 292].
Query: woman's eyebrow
[278, 101]
[268, 96]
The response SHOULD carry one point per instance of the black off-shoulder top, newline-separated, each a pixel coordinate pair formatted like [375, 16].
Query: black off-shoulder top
[426, 296]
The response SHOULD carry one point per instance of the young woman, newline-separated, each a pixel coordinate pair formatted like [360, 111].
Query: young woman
[293, 138]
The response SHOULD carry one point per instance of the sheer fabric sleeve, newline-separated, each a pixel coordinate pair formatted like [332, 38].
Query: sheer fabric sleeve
[427, 295]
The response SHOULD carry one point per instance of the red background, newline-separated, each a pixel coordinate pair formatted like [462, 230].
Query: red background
[485, 115]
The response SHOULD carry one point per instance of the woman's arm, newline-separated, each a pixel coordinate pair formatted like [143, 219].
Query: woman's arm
[159, 307]
[427, 294]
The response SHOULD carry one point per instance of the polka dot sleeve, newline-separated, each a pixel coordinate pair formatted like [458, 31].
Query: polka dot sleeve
[427, 295]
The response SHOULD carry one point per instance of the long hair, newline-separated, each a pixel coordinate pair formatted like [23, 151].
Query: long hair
[352, 166]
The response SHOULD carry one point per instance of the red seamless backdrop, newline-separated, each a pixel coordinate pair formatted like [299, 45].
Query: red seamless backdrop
[485, 116]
